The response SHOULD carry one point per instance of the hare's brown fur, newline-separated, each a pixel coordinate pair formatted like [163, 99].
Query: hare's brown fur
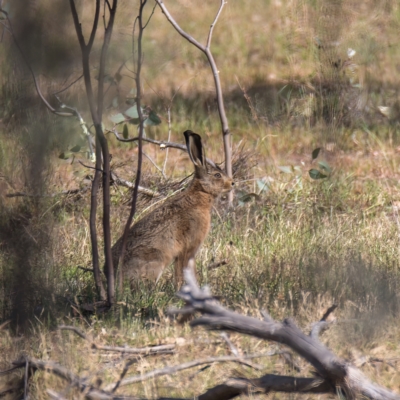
[174, 231]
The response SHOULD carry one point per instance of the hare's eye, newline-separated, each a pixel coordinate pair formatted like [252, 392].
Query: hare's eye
[217, 175]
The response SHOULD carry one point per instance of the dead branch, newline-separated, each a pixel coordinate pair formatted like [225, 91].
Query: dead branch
[63, 193]
[65, 374]
[190, 364]
[123, 182]
[217, 264]
[334, 371]
[115, 180]
[75, 330]
[268, 383]
[161, 349]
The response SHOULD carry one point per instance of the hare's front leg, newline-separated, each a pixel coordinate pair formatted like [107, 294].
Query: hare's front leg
[183, 261]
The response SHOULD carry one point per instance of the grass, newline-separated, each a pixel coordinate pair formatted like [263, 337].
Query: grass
[293, 245]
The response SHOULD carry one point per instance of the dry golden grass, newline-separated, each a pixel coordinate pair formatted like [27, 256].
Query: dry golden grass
[294, 247]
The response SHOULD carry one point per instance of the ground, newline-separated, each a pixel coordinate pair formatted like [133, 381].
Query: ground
[293, 245]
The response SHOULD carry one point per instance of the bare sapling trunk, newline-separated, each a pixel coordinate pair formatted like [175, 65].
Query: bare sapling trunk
[102, 157]
[138, 69]
[217, 82]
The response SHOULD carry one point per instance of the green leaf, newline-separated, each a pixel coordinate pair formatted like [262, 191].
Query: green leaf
[131, 112]
[117, 118]
[65, 155]
[134, 121]
[76, 148]
[325, 166]
[152, 119]
[286, 169]
[130, 101]
[315, 153]
[315, 174]
[263, 186]
[125, 132]
[115, 102]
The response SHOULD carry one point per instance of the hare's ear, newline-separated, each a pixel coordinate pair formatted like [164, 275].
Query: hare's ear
[195, 149]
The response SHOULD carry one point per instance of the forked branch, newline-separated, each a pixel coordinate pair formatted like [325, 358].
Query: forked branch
[217, 82]
[334, 371]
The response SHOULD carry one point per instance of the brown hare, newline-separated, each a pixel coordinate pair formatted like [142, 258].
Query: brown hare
[174, 231]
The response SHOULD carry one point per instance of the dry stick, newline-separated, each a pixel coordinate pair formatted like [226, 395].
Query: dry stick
[220, 100]
[116, 180]
[139, 20]
[128, 350]
[268, 383]
[54, 395]
[169, 138]
[190, 364]
[123, 182]
[334, 370]
[163, 145]
[63, 373]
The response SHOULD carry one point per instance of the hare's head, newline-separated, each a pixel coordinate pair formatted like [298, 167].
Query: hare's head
[211, 179]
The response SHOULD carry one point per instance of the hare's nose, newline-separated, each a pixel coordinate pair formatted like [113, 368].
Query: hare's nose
[233, 183]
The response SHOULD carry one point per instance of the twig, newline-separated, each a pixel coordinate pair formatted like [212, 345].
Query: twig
[190, 364]
[54, 395]
[155, 165]
[127, 350]
[67, 87]
[169, 138]
[75, 330]
[130, 185]
[144, 350]
[217, 264]
[217, 82]
[223, 2]
[62, 193]
[163, 145]
[231, 346]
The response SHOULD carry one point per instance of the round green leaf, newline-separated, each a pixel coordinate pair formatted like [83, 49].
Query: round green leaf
[315, 174]
[76, 148]
[117, 118]
[325, 166]
[125, 132]
[132, 112]
[315, 153]
[152, 119]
